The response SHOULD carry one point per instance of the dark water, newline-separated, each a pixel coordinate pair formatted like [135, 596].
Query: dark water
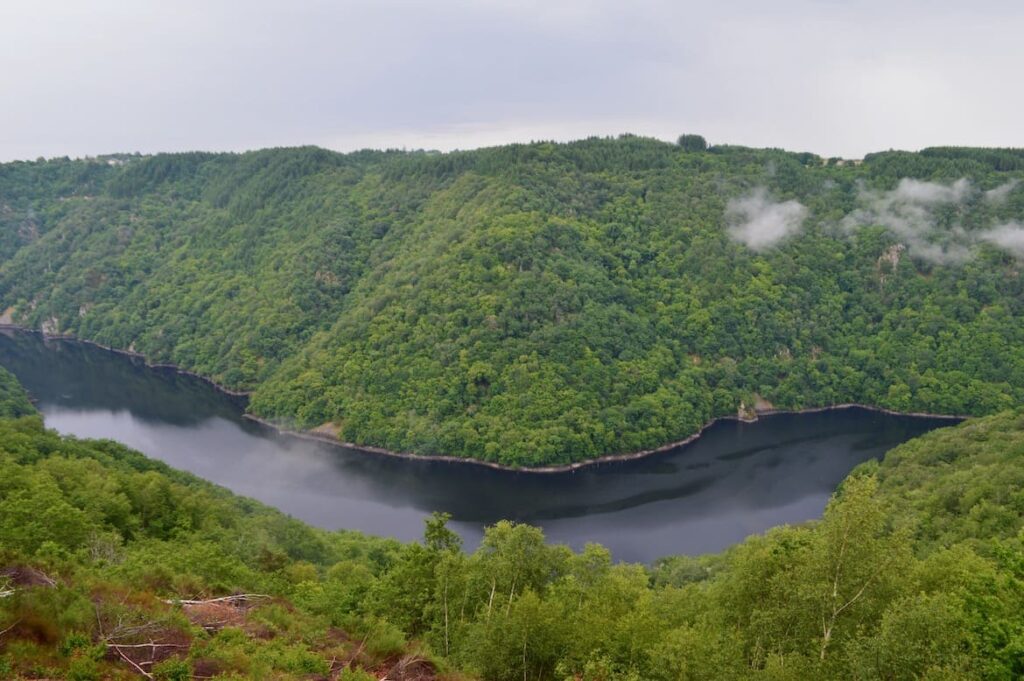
[736, 480]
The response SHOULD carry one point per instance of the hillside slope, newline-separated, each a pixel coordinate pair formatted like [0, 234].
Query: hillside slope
[112, 564]
[536, 304]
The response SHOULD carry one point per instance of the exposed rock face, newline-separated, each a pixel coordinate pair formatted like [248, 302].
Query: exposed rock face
[28, 231]
[329, 429]
[50, 327]
[8, 316]
[888, 261]
[750, 412]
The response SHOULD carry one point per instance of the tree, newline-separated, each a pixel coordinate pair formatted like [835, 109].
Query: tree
[689, 142]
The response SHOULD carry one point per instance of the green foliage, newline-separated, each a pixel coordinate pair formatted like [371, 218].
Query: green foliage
[73, 643]
[88, 500]
[692, 143]
[350, 674]
[14, 401]
[172, 670]
[915, 570]
[527, 304]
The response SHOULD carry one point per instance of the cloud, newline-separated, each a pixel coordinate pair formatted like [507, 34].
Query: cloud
[1002, 192]
[911, 212]
[760, 222]
[911, 192]
[1009, 237]
[926, 217]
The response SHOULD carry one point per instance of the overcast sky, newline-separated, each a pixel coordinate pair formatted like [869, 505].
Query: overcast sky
[842, 78]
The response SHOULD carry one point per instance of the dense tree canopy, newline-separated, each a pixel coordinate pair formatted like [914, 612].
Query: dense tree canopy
[534, 304]
[14, 401]
[916, 571]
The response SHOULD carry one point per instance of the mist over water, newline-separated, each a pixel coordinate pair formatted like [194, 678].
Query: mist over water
[736, 480]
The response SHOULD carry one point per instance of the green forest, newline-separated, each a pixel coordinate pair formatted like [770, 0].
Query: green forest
[536, 304]
[113, 566]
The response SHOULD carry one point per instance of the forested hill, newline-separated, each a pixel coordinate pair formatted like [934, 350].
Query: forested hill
[114, 566]
[539, 303]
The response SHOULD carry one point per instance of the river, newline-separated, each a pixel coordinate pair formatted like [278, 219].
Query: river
[735, 480]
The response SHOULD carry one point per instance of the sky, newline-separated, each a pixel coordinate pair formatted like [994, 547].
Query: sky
[839, 78]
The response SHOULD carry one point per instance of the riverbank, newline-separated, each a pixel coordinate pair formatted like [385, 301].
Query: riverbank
[575, 466]
[127, 353]
[328, 438]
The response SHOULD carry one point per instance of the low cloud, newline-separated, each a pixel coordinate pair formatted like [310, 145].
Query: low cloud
[926, 217]
[1009, 237]
[911, 211]
[1002, 192]
[760, 222]
[911, 192]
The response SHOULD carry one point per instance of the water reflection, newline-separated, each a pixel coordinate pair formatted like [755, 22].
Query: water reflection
[736, 480]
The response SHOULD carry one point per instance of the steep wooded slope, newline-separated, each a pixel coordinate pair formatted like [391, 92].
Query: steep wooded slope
[540, 303]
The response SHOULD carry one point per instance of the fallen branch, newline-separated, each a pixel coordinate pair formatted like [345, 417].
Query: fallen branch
[4, 631]
[122, 631]
[404, 663]
[131, 662]
[240, 598]
[120, 648]
[24, 576]
[358, 652]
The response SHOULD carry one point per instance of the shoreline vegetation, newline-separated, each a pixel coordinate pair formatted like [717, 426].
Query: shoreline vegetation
[323, 433]
[67, 337]
[320, 435]
[113, 562]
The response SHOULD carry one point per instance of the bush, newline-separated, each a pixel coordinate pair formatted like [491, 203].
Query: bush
[172, 670]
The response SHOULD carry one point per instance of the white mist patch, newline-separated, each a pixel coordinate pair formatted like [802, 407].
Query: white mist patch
[1009, 237]
[760, 222]
[910, 212]
[1002, 192]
